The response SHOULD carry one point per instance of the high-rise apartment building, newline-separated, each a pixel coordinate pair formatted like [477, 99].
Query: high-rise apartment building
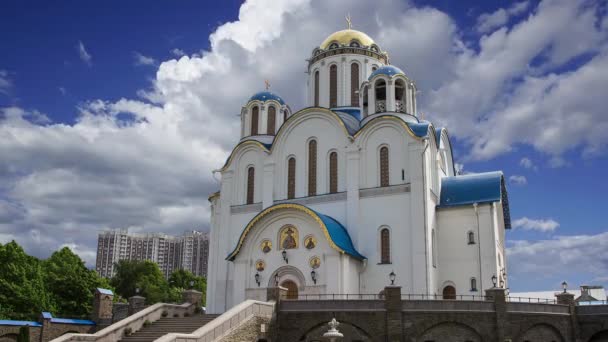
[189, 251]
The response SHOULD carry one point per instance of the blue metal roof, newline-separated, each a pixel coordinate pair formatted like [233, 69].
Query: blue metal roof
[352, 111]
[388, 70]
[19, 323]
[105, 291]
[46, 315]
[72, 321]
[339, 235]
[336, 231]
[475, 188]
[265, 96]
[419, 129]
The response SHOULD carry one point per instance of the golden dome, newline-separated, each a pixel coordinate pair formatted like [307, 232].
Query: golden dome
[344, 37]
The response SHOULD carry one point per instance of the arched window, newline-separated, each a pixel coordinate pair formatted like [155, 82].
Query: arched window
[333, 86]
[384, 180]
[471, 238]
[333, 172]
[255, 113]
[317, 88]
[272, 117]
[291, 178]
[473, 284]
[312, 168]
[400, 102]
[354, 84]
[385, 246]
[380, 89]
[449, 292]
[250, 184]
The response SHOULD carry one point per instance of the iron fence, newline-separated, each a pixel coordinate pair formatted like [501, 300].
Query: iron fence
[531, 300]
[413, 296]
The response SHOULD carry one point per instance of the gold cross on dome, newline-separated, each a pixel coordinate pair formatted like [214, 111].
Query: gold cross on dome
[349, 22]
[267, 84]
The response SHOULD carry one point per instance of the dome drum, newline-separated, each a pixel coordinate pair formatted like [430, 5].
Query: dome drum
[263, 114]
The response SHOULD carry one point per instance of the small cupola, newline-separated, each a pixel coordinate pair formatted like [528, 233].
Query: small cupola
[263, 114]
[388, 89]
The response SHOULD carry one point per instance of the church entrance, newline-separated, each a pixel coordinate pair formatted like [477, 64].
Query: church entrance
[292, 289]
[449, 292]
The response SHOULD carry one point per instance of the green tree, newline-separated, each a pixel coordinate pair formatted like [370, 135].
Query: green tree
[70, 283]
[22, 290]
[181, 279]
[145, 275]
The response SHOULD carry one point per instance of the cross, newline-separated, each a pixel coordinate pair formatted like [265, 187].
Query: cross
[267, 83]
[349, 21]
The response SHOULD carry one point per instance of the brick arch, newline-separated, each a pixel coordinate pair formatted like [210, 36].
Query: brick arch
[446, 331]
[542, 332]
[8, 337]
[600, 336]
[347, 328]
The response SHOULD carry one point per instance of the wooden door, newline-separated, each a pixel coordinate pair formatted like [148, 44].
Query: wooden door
[292, 289]
[449, 292]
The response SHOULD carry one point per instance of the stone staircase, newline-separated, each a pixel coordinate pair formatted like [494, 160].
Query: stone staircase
[167, 325]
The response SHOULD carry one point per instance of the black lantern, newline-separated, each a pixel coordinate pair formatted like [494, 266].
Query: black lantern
[285, 256]
[137, 290]
[565, 286]
[494, 280]
[392, 277]
[276, 280]
[257, 278]
[313, 275]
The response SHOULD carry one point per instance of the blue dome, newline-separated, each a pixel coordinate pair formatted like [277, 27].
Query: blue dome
[265, 96]
[387, 70]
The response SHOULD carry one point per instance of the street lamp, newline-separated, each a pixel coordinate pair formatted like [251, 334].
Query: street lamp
[392, 277]
[191, 284]
[257, 278]
[276, 279]
[565, 286]
[494, 280]
[284, 253]
[137, 290]
[313, 275]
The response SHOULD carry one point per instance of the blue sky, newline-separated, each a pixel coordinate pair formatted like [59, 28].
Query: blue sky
[112, 114]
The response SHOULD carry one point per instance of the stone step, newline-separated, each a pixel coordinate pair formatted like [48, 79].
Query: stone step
[167, 325]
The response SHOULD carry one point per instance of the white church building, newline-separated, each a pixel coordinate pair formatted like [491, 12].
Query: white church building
[333, 198]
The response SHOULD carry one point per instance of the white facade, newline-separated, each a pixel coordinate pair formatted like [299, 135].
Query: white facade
[391, 167]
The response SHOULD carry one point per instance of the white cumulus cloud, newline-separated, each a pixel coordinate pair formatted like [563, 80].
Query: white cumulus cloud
[518, 179]
[143, 60]
[85, 56]
[541, 225]
[489, 21]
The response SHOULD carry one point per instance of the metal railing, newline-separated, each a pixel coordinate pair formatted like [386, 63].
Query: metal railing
[592, 302]
[531, 300]
[414, 296]
[334, 296]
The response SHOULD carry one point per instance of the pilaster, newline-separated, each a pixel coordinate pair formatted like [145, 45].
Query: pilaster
[353, 159]
[390, 96]
[268, 181]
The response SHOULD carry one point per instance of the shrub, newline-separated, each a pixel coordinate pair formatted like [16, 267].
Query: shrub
[186, 314]
[175, 315]
[147, 323]
[165, 313]
[128, 331]
[197, 310]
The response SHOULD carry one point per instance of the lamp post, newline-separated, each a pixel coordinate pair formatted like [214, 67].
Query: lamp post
[284, 253]
[494, 280]
[276, 280]
[565, 286]
[313, 275]
[191, 284]
[392, 277]
[257, 278]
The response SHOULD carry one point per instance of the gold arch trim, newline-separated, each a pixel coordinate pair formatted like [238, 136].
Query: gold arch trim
[239, 146]
[274, 208]
[390, 118]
